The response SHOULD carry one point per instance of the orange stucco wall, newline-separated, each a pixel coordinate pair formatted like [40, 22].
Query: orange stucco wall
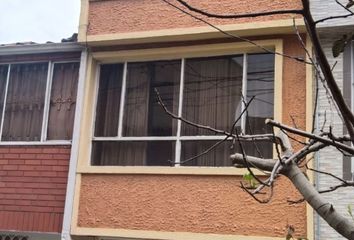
[122, 16]
[203, 204]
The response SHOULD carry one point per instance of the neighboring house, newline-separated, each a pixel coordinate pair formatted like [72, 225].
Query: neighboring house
[330, 159]
[38, 98]
[131, 180]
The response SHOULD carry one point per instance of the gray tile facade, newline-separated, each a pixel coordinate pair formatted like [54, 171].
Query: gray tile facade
[330, 159]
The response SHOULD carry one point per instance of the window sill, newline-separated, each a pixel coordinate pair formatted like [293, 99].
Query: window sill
[45, 143]
[228, 171]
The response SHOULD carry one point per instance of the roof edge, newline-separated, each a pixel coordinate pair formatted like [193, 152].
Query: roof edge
[40, 48]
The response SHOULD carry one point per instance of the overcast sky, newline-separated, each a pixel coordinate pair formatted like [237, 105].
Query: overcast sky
[38, 20]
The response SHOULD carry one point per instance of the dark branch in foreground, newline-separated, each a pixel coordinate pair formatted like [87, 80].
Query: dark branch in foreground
[237, 16]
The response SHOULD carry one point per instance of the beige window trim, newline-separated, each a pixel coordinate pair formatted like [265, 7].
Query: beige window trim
[96, 58]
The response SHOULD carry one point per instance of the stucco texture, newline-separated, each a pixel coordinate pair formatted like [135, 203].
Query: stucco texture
[121, 16]
[202, 204]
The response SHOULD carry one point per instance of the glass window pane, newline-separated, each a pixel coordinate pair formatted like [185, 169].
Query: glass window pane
[25, 102]
[3, 78]
[260, 84]
[143, 116]
[108, 101]
[212, 93]
[220, 156]
[63, 101]
[149, 153]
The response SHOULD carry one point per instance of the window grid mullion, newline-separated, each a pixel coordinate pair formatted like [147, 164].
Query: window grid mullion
[179, 123]
[122, 100]
[94, 112]
[47, 101]
[5, 98]
[244, 94]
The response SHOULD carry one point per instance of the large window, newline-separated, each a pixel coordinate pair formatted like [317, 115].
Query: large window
[37, 101]
[132, 129]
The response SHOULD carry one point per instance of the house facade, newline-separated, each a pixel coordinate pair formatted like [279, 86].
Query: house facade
[38, 92]
[140, 173]
[329, 159]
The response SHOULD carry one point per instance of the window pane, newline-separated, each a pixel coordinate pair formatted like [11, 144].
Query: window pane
[143, 116]
[63, 101]
[3, 78]
[25, 102]
[220, 156]
[260, 84]
[149, 153]
[212, 93]
[108, 102]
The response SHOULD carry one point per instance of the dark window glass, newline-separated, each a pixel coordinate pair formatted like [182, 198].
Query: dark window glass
[63, 101]
[3, 78]
[108, 102]
[212, 93]
[143, 116]
[25, 102]
[148, 153]
[260, 85]
[220, 155]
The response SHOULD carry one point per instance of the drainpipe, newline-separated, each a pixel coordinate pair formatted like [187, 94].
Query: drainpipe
[70, 189]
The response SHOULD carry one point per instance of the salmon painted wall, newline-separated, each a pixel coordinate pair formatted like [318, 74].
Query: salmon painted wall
[121, 16]
[32, 187]
[202, 204]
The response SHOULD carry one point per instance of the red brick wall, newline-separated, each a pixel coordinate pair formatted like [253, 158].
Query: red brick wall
[32, 187]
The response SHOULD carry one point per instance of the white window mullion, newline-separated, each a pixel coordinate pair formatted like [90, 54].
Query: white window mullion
[5, 98]
[94, 112]
[122, 100]
[47, 101]
[179, 123]
[244, 94]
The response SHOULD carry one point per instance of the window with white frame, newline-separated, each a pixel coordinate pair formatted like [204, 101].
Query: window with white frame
[132, 129]
[37, 101]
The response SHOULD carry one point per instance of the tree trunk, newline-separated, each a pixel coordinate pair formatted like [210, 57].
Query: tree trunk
[326, 210]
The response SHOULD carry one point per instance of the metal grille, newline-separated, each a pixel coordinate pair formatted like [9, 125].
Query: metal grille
[13, 237]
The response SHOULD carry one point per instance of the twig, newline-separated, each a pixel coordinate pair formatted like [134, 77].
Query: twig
[334, 188]
[327, 173]
[292, 202]
[236, 16]
[204, 152]
[351, 13]
[258, 137]
[257, 199]
[311, 136]
[299, 59]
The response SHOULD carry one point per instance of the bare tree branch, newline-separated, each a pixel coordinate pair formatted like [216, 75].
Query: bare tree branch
[311, 136]
[233, 36]
[338, 16]
[348, 116]
[236, 16]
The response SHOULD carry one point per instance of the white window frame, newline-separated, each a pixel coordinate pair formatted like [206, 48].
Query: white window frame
[43, 139]
[178, 138]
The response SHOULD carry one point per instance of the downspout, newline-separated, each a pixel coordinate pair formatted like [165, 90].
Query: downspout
[70, 190]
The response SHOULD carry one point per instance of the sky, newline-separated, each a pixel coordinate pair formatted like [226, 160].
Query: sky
[38, 20]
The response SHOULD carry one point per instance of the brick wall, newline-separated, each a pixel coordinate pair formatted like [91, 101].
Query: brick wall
[32, 187]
